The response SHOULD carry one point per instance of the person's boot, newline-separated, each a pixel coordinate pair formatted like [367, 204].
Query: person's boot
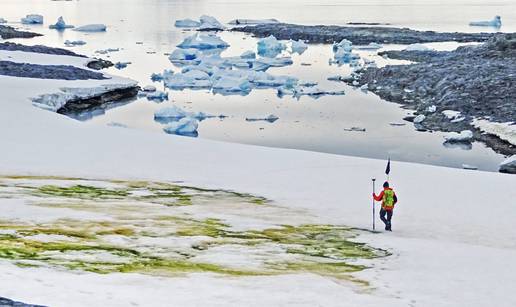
[388, 226]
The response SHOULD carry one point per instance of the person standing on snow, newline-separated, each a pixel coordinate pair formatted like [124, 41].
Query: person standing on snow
[388, 199]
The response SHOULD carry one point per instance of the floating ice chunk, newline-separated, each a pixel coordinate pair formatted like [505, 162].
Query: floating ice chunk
[509, 165]
[298, 46]
[469, 167]
[464, 136]
[149, 88]
[505, 131]
[173, 112]
[185, 126]
[270, 47]
[342, 53]
[92, 28]
[253, 21]
[271, 118]
[196, 75]
[343, 44]
[157, 95]
[262, 79]
[209, 23]
[496, 22]
[69, 43]
[260, 63]
[417, 47]
[32, 19]
[121, 65]
[248, 55]
[187, 23]
[182, 81]
[419, 119]
[203, 41]
[106, 51]
[370, 46]
[230, 84]
[60, 24]
[185, 56]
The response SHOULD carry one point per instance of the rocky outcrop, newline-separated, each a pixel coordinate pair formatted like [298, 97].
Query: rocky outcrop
[5, 302]
[38, 49]
[7, 32]
[358, 35]
[61, 72]
[79, 105]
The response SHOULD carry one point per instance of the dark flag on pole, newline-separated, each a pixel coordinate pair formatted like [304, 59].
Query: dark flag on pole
[388, 168]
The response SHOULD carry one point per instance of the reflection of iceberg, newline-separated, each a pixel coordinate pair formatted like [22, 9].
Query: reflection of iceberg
[32, 19]
[463, 146]
[185, 126]
[496, 22]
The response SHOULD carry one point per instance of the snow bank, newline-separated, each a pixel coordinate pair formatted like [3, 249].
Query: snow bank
[495, 22]
[32, 19]
[92, 28]
[505, 131]
[60, 24]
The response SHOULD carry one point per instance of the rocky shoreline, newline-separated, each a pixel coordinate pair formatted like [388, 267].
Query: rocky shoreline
[5, 302]
[321, 34]
[60, 72]
[477, 81]
[7, 32]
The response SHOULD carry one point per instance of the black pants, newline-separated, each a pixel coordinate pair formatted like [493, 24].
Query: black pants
[383, 213]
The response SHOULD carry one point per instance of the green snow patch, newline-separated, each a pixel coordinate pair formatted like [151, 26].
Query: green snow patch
[166, 229]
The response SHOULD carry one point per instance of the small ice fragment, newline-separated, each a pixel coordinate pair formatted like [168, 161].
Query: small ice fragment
[60, 24]
[92, 28]
[158, 96]
[209, 23]
[121, 65]
[431, 109]
[270, 46]
[149, 88]
[32, 19]
[187, 23]
[248, 55]
[298, 47]
[185, 126]
[419, 119]
[417, 47]
[69, 43]
[203, 41]
[355, 129]
[465, 136]
[469, 167]
[106, 51]
[271, 118]
[496, 22]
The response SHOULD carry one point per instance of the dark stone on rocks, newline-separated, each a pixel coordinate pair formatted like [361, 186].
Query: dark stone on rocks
[61, 72]
[478, 81]
[76, 106]
[358, 35]
[99, 64]
[5, 302]
[38, 49]
[508, 167]
[7, 32]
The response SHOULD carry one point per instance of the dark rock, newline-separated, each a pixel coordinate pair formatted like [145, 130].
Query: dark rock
[73, 107]
[99, 64]
[359, 35]
[5, 302]
[7, 32]
[62, 72]
[38, 49]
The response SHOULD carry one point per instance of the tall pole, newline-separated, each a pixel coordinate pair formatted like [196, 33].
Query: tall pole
[373, 201]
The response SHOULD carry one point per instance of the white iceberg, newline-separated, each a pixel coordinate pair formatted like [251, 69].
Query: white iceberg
[253, 21]
[185, 56]
[209, 23]
[496, 22]
[187, 23]
[92, 28]
[417, 47]
[185, 126]
[32, 19]
[509, 165]
[182, 81]
[370, 46]
[203, 41]
[343, 53]
[464, 136]
[298, 46]
[149, 88]
[271, 118]
[431, 109]
[270, 46]
[60, 24]
[262, 79]
[69, 43]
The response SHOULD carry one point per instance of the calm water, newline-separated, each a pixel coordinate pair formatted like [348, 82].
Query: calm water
[307, 123]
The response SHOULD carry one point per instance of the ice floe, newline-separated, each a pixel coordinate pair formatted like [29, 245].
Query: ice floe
[417, 47]
[370, 46]
[108, 50]
[209, 23]
[175, 113]
[92, 28]
[270, 46]
[157, 95]
[60, 24]
[465, 136]
[271, 118]
[69, 43]
[185, 126]
[203, 41]
[185, 56]
[495, 22]
[32, 19]
[505, 131]
[187, 23]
